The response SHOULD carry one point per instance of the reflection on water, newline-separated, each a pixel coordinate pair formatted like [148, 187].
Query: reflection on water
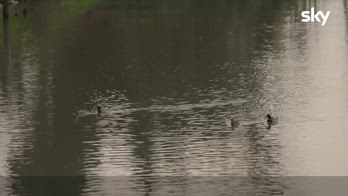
[167, 75]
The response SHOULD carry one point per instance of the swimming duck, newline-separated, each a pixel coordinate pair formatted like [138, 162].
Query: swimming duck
[81, 113]
[103, 113]
[271, 119]
[85, 113]
[99, 110]
[234, 123]
[230, 122]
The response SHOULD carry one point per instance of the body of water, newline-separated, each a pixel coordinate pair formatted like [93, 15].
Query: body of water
[167, 75]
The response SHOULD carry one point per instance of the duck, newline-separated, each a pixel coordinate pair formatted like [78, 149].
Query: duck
[234, 123]
[103, 113]
[99, 110]
[81, 113]
[270, 119]
[85, 113]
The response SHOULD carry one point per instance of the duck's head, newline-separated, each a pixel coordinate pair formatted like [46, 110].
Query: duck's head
[269, 116]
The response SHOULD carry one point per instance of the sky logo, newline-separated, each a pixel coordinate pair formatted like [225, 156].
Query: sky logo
[312, 16]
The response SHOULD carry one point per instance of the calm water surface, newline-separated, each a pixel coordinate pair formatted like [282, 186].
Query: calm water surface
[168, 74]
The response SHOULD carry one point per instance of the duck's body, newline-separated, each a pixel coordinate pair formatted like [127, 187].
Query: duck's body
[99, 110]
[234, 123]
[103, 113]
[85, 113]
[271, 120]
[82, 113]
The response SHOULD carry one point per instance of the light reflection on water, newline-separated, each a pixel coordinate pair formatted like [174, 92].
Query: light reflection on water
[167, 79]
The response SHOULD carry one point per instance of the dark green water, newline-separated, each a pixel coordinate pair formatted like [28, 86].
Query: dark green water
[167, 74]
